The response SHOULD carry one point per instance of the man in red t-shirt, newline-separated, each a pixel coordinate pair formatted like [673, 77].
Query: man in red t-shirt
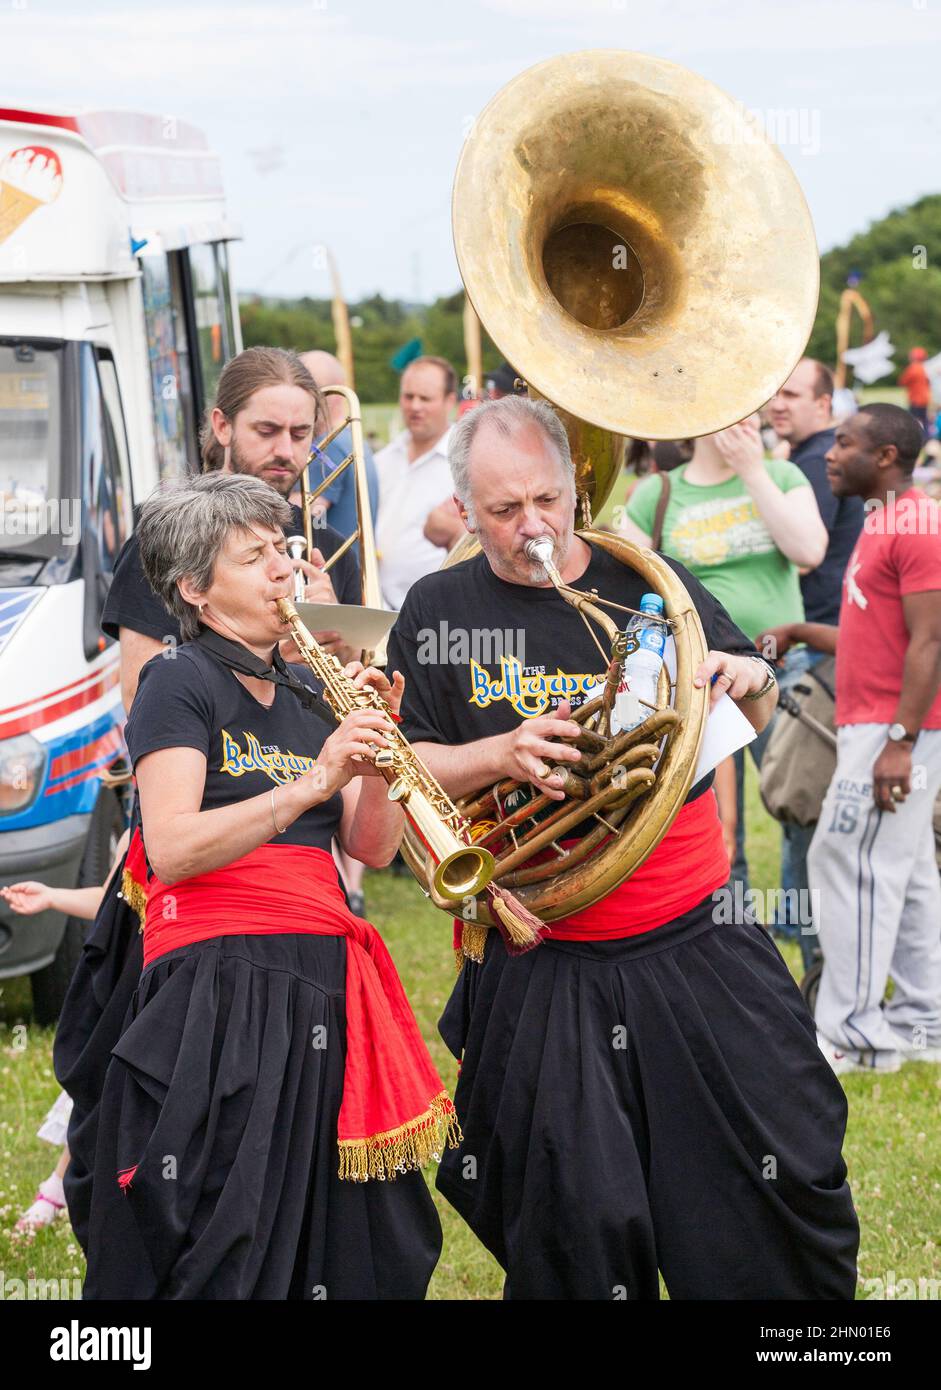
[874, 881]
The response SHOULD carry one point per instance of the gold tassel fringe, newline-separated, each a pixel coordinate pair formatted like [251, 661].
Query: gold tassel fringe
[135, 896]
[473, 941]
[384, 1156]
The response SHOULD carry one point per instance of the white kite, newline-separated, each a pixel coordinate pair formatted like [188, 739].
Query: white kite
[872, 360]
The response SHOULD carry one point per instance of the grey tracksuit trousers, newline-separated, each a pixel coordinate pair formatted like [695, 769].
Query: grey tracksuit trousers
[876, 901]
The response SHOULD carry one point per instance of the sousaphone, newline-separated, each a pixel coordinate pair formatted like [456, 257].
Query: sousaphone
[646, 260]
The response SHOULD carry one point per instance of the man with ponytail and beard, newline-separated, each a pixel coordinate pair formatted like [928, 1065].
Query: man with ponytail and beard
[268, 411]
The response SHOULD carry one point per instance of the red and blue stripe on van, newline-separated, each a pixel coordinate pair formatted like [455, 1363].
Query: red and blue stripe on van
[14, 605]
[80, 725]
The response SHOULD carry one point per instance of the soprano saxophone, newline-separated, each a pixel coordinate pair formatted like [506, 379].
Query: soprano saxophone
[461, 868]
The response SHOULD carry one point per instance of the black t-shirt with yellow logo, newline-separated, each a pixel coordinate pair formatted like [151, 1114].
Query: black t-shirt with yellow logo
[479, 654]
[190, 700]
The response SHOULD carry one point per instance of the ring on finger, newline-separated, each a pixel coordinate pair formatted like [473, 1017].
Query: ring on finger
[898, 792]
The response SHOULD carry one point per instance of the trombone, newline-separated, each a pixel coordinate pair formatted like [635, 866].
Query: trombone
[356, 459]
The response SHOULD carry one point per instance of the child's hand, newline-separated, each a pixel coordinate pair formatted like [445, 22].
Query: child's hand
[27, 898]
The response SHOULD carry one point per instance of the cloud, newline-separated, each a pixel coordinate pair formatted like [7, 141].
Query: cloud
[771, 27]
[296, 51]
[369, 102]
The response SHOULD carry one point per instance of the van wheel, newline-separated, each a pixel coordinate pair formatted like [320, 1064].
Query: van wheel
[52, 982]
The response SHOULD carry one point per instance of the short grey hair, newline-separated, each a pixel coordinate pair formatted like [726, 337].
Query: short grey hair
[507, 416]
[185, 524]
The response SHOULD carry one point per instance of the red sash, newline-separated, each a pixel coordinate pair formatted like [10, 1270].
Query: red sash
[395, 1112]
[689, 862]
[134, 877]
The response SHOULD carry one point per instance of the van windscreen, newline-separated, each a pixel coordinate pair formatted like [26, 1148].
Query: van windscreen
[31, 504]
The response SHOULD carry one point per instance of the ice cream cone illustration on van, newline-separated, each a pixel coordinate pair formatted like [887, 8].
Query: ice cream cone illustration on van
[30, 177]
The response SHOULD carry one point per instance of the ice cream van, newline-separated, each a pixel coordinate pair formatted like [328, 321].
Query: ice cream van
[117, 314]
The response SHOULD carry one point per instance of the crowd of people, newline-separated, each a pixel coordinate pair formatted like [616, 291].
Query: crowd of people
[872, 893]
[235, 1015]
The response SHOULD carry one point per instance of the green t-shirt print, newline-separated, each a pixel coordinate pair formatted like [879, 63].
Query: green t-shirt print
[716, 532]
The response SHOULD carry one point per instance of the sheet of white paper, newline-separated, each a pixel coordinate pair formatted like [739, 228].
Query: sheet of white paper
[361, 628]
[727, 730]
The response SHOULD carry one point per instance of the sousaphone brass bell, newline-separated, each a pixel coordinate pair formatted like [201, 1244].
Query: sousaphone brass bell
[643, 256]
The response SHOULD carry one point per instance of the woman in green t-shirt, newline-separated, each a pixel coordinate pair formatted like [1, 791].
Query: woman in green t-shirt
[746, 526]
[742, 524]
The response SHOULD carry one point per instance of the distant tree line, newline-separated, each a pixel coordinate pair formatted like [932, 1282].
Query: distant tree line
[898, 260]
[387, 325]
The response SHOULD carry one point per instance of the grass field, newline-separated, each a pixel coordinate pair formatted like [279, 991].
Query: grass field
[384, 420]
[891, 1150]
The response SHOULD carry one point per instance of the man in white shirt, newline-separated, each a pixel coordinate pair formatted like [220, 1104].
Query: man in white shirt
[414, 477]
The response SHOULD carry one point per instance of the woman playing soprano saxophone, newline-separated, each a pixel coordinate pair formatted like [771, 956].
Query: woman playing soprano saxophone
[271, 1052]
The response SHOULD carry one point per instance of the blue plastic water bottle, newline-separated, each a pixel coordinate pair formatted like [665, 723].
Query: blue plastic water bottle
[642, 667]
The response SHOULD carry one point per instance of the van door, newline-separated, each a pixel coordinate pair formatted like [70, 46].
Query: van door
[108, 503]
[168, 354]
[212, 311]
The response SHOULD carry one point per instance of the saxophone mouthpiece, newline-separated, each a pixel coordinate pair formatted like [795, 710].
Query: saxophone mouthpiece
[297, 549]
[286, 610]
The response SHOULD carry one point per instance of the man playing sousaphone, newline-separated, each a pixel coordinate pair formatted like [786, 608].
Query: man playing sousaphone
[643, 1091]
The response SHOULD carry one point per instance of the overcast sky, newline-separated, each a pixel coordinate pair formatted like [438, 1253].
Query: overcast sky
[339, 122]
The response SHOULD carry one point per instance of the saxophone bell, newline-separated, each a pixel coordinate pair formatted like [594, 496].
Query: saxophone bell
[460, 869]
